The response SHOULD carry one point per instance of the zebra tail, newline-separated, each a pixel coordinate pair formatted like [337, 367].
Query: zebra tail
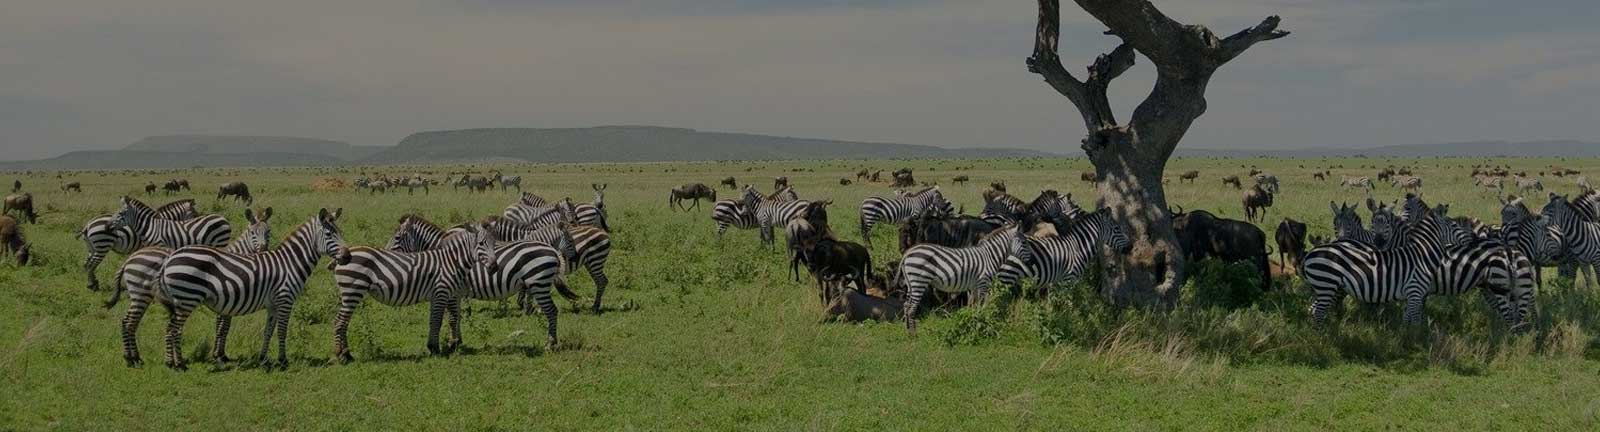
[116, 291]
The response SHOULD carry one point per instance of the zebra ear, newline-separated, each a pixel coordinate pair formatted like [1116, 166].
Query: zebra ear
[337, 213]
[250, 216]
[266, 214]
[1332, 206]
[1372, 205]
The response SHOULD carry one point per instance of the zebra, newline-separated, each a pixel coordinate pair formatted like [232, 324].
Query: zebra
[1408, 183]
[407, 278]
[1588, 205]
[531, 199]
[1064, 257]
[510, 181]
[211, 229]
[417, 182]
[101, 235]
[590, 247]
[1002, 208]
[140, 277]
[1347, 224]
[728, 213]
[1582, 237]
[535, 216]
[593, 213]
[1408, 270]
[1356, 182]
[1526, 184]
[774, 212]
[899, 209]
[928, 266]
[238, 284]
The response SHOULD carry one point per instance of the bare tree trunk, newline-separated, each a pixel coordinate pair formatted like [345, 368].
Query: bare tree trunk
[1129, 160]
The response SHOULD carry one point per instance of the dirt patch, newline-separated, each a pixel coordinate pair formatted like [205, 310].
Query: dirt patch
[329, 184]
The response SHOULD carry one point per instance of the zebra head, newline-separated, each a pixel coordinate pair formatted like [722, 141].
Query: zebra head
[411, 235]
[1559, 210]
[333, 244]
[258, 235]
[599, 195]
[484, 247]
[1384, 222]
[1112, 232]
[133, 213]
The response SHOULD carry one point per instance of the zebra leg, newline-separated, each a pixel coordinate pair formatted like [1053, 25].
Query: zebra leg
[548, 306]
[435, 319]
[914, 293]
[341, 325]
[1320, 302]
[266, 336]
[130, 330]
[722, 227]
[1416, 300]
[281, 327]
[453, 309]
[597, 273]
[89, 264]
[175, 323]
[980, 295]
[219, 349]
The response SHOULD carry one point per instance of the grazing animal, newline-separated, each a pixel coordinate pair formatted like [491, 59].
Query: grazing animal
[1190, 175]
[1319, 176]
[11, 240]
[1527, 185]
[1581, 237]
[854, 306]
[932, 267]
[1065, 257]
[844, 182]
[209, 230]
[1088, 177]
[1356, 182]
[1407, 271]
[940, 228]
[150, 188]
[414, 183]
[875, 210]
[102, 234]
[691, 191]
[1268, 182]
[1257, 199]
[1407, 183]
[732, 213]
[509, 182]
[835, 262]
[171, 187]
[140, 277]
[862, 175]
[729, 182]
[903, 178]
[427, 276]
[240, 284]
[780, 182]
[238, 190]
[1291, 238]
[72, 187]
[588, 246]
[1204, 235]
[593, 213]
[22, 205]
[961, 180]
[541, 215]
[773, 212]
[1233, 180]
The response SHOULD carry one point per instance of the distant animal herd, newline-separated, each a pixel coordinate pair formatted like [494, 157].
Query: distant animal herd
[1408, 251]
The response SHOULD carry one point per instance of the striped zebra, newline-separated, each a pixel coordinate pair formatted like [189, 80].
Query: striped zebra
[233, 284]
[1002, 209]
[527, 268]
[509, 181]
[416, 234]
[1064, 257]
[1347, 224]
[1408, 183]
[1582, 237]
[899, 209]
[1356, 182]
[531, 199]
[407, 278]
[1588, 205]
[1407, 271]
[535, 216]
[772, 213]
[730, 213]
[593, 213]
[210, 230]
[140, 277]
[589, 247]
[932, 267]
[101, 235]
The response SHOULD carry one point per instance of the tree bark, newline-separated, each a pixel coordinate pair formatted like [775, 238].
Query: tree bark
[1129, 160]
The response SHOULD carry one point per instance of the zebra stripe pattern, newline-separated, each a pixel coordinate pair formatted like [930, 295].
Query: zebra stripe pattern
[209, 230]
[588, 246]
[1064, 257]
[773, 213]
[1374, 275]
[535, 216]
[238, 284]
[926, 266]
[140, 277]
[407, 278]
[1581, 237]
[102, 235]
[593, 213]
[728, 213]
[899, 209]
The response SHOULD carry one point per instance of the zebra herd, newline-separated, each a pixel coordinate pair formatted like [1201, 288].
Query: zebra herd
[185, 260]
[473, 183]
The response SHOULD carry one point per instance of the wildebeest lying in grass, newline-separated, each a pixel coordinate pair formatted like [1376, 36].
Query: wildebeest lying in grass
[855, 306]
[934, 227]
[1204, 235]
[11, 241]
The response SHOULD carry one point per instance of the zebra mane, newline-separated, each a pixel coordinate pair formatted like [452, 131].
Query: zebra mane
[416, 219]
[139, 206]
[175, 204]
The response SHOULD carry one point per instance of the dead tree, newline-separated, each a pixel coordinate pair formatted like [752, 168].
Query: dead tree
[1129, 158]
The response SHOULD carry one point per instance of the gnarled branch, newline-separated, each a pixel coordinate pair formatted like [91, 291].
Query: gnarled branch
[1234, 45]
[1088, 96]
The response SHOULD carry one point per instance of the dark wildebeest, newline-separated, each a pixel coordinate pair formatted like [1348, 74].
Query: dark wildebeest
[1088, 177]
[11, 241]
[1204, 235]
[862, 175]
[780, 182]
[182, 183]
[835, 263]
[729, 182]
[1191, 175]
[935, 227]
[844, 182]
[238, 190]
[1256, 200]
[691, 191]
[22, 204]
[961, 180]
[1406, 171]
[16, 186]
[1291, 238]
[1319, 176]
[1233, 180]
[150, 188]
[72, 187]
[170, 186]
[903, 178]
[1254, 171]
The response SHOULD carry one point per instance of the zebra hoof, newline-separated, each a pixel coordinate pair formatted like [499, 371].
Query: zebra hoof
[177, 366]
[133, 361]
[452, 347]
[344, 357]
[223, 358]
[551, 344]
[433, 348]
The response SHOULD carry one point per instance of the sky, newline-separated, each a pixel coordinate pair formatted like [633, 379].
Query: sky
[82, 75]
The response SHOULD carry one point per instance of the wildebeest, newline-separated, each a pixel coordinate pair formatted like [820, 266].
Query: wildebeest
[1088, 177]
[1233, 180]
[171, 186]
[961, 180]
[861, 175]
[72, 187]
[150, 188]
[22, 204]
[835, 262]
[1268, 182]
[844, 182]
[1256, 200]
[903, 178]
[1190, 175]
[11, 240]
[691, 191]
[940, 228]
[1291, 238]
[780, 182]
[1204, 235]
[855, 306]
[729, 182]
[1254, 171]
[238, 190]
[1319, 176]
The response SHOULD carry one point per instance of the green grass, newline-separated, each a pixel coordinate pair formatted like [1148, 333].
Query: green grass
[701, 334]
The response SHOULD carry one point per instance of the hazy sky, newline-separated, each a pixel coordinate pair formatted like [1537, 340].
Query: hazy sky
[100, 74]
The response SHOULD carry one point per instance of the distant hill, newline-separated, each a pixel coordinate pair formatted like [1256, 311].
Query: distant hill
[238, 144]
[649, 144]
[125, 159]
[1550, 148]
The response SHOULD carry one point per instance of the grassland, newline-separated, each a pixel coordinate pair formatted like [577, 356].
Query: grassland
[708, 335]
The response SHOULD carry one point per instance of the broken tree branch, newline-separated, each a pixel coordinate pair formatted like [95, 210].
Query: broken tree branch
[1088, 96]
